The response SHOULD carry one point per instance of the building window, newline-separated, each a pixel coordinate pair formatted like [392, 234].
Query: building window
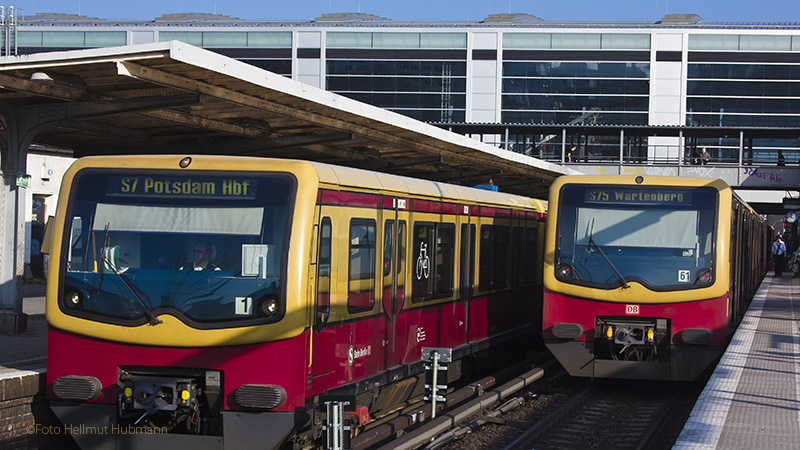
[398, 40]
[743, 94]
[576, 41]
[229, 39]
[744, 42]
[575, 92]
[70, 39]
[431, 91]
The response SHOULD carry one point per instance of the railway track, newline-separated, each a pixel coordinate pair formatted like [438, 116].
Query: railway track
[608, 415]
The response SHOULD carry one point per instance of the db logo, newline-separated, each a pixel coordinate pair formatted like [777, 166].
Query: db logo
[632, 310]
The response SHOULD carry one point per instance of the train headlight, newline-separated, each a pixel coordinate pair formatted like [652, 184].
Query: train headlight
[610, 332]
[73, 299]
[650, 335]
[565, 272]
[269, 306]
[704, 277]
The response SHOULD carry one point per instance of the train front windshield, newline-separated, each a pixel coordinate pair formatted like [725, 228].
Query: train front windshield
[662, 237]
[207, 249]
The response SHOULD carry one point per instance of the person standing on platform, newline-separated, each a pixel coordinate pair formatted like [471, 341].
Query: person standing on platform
[705, 157]
[778, 256]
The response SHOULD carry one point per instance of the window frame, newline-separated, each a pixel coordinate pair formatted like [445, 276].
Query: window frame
[372, 248]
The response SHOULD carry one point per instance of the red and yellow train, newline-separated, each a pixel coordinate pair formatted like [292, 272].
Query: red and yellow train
[210, 302]
[647, 277]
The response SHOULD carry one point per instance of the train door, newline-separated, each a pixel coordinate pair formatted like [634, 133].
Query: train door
[348, 333]
[393, 289]
[467, 269]
[323, 337]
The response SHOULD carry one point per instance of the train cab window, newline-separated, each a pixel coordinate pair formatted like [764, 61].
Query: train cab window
[361, 292]
[660, 237]
[209, 249]
[324, 271]
[435, 263]
[493, 257]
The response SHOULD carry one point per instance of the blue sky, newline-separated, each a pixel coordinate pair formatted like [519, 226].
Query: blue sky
[471, 10]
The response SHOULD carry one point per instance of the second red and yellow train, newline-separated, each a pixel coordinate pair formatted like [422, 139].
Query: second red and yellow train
[647, 277]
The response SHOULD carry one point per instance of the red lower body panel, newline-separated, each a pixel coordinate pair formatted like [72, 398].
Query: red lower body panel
[279, 363]
[678, 359]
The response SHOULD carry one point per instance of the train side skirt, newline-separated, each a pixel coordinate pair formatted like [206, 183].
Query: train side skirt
[686, 363]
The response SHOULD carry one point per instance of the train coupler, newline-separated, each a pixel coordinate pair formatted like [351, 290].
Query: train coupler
[632, 339]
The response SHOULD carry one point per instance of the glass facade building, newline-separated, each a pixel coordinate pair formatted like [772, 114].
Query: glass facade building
[507, 69]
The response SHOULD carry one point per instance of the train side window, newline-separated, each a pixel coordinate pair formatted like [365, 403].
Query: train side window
[361, 291]
[531, 250]
[401, 259]
[518, 256]
[324, 271]
[445, 259]
[494, 253]
[388, 253]
[467, 280]
[501, 254]
[486, 257]
[423, 274]
[75, 260]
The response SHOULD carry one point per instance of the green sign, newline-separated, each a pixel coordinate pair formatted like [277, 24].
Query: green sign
[23, 179]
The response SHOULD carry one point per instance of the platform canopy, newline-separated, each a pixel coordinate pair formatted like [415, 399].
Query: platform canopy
[171, 97]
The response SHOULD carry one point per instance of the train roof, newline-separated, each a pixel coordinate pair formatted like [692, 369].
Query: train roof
[329, 174]
[649, 180]
[634, 179]
[365, 179]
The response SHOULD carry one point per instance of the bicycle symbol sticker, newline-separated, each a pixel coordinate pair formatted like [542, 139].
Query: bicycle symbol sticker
[423, 262]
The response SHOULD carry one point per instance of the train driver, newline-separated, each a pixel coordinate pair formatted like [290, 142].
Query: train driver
[202, 257]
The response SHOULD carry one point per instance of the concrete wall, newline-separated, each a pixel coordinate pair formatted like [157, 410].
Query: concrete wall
[46, 173]
[26, 422]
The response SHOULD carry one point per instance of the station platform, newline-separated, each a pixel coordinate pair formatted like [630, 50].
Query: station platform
[752, 400]
[27, 350]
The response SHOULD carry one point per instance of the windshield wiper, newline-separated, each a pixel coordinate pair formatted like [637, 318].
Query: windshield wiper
[102, 257]
[608, 261]
[152, 319]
